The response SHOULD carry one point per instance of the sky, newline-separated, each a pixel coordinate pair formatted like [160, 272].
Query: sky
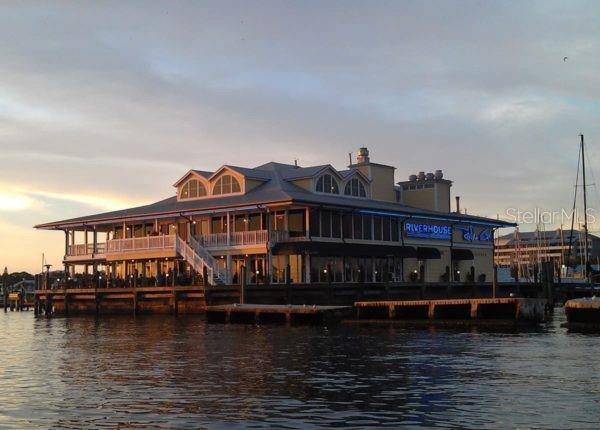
[104, 105]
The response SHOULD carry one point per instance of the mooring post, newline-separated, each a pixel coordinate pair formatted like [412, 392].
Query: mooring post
[494, 281]
[48, 303]
[431, 311]
[66, 301]
[392, 312]
[134, 300]
[175, 302]
[243, 285]
[474, 310]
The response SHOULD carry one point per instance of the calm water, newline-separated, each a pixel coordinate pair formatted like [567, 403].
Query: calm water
[170, 372]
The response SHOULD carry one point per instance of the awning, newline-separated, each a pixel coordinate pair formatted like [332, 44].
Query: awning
[427, 253]
[337, 249]
[462, 254]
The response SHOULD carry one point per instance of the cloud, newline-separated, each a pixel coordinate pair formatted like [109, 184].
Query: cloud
[15, 202]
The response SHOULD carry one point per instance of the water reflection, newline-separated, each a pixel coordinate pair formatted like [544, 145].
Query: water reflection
[162, 372]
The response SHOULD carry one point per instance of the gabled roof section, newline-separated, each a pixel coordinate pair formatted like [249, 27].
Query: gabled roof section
[309, 172]
[200, 173]
[261, 175]
[346, 174]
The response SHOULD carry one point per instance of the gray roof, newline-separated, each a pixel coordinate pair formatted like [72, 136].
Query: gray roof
[276, 188]
[203, 173]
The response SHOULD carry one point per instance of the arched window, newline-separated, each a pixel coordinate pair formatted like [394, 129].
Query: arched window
[192, 189]
[355, 188]
[327, 184]
[226, 184]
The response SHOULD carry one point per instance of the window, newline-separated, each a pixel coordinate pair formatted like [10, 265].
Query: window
[315, 229]
[336, 225]
[192, 189]
[254, 221]
[347, 225]
[358, 230]
[327, 184]
[367, 224]
[226, 184]
[297, 223]
[325, 223]
[355, 188]
[376, 228]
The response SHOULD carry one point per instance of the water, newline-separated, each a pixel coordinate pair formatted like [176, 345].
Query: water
[166, 372]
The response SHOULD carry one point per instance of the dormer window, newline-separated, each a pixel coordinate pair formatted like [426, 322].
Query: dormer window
[327, 184]
[355, 188]
[192, 189]
[226, 184]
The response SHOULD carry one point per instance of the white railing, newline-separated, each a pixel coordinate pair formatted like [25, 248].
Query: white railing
[199, 259]
[249, 237]
[83, 249]
[213, 240]
[141, 243]
[253, 237]
[279, 236]
[208, 259]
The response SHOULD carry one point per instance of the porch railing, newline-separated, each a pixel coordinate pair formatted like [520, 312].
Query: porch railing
[83, 249]
[141, 243]
[254, 237]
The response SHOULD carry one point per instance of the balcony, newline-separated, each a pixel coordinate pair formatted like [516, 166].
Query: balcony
[244, 238]
[117, 246]
[85, 251]
[166, 245]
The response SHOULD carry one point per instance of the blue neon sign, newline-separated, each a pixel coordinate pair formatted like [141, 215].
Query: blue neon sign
[427, 231]
[469, 234]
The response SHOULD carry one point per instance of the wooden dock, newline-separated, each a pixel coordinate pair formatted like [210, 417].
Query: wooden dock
[500, 309]
[583, 313]
[290, 314]
[128, 300]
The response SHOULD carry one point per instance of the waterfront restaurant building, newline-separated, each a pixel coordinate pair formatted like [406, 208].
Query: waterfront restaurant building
[281, 223]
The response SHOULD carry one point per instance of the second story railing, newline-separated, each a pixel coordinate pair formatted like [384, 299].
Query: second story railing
[141, 243]
[252, 237]
[216, 240]
[83, 249]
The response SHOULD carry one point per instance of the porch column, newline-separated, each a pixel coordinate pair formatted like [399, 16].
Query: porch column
[66, 242]
[156, 225]
[228, 230]
[286, 223]
[307, 268]
[228, 263]
[269, 264]
[85, 238]
[95, 240]
[307, 222]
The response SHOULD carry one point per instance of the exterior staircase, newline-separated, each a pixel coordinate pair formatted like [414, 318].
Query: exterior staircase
[199, 258]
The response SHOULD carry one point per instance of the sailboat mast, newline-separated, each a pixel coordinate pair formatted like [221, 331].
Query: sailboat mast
[585, 223]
